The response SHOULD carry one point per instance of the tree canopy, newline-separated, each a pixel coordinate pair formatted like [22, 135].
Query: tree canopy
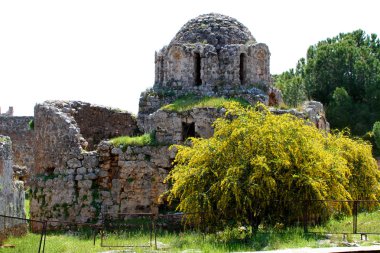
[255, 157]
[344, 67]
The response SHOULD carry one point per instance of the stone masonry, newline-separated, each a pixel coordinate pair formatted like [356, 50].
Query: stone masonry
[71, 182]
[211, 55]
[12, 194]
[73, 126]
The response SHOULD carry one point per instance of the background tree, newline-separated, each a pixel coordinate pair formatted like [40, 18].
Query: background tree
[255, 157]
[351, 62]
[376, 133]
[344, 74]
[291, 83]
[340, 109]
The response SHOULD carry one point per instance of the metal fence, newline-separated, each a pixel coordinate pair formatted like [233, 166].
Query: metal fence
[128, 230]
[16, 226]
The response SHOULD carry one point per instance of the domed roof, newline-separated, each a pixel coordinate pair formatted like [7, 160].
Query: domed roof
[215, 29]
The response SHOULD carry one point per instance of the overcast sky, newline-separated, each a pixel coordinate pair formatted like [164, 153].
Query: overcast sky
[103, 51]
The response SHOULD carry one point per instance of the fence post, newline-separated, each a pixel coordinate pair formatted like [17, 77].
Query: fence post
[45, 231]
[43, 236]
[355, 217]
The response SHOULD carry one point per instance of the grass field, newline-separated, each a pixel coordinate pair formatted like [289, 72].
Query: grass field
[61, 242]
[225, 241]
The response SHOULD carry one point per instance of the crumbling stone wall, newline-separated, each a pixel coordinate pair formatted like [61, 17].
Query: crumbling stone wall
[72, 184]
[12, 195]
[63, 129]
[98, 123]
[311, 111]
[57, 137]
[107, 179]
[17, 128]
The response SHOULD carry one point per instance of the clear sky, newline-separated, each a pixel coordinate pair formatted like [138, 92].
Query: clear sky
[102, 52]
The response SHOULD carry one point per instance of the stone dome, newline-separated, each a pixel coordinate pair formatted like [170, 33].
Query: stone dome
[215, 29]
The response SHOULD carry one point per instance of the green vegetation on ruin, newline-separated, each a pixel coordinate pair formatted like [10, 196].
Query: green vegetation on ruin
[148, 139]
[189, 102]
[4, 139]
[31, 124]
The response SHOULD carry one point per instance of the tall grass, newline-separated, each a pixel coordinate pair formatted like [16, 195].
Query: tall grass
[189, 102]
[142, 140]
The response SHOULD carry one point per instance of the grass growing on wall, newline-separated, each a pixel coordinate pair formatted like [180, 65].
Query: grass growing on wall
[142, 140]
[189, 102]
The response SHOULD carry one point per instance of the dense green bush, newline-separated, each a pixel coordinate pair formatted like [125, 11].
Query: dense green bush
[255, 158]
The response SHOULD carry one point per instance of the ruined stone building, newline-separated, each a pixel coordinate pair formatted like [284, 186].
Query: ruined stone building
[76, 173]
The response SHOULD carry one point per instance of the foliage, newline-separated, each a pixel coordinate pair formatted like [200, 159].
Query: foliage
[343, 73]
[340, 108]
[189, 102]
[143, 140]
[350, 61]
[255, 157]
[376, 133]
[292, 85]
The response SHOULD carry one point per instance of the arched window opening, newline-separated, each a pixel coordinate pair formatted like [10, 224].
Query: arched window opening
[197, 69]
[188, 130]
[242, 71]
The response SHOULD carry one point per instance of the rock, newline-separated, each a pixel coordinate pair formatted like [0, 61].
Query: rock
[81, 170]
[90, 162]
[91, 176]
[74, 163]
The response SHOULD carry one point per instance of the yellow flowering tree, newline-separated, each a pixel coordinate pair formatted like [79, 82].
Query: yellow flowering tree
[255, 159]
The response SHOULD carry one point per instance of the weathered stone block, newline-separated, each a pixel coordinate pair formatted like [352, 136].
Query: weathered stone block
[74, 163]
[90, 162]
